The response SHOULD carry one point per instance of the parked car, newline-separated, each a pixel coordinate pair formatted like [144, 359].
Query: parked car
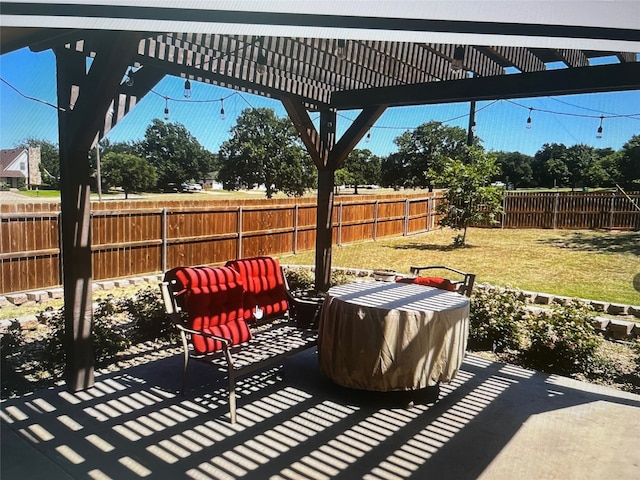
[191, 187]
[171, 188]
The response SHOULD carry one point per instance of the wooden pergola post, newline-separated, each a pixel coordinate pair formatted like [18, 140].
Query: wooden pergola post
[328, 155]
[83, 99]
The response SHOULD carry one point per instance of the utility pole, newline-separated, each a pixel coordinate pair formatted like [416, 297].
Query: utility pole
[472, 123]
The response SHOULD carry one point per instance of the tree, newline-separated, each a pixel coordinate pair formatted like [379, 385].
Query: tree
[579, 159]
[362, 168]
[515, 168]
[422, 155]
[49, 160]
[265, 150]
[469, 199]
[629, 164]
[176, 154]
[549, 167]
[133, 174]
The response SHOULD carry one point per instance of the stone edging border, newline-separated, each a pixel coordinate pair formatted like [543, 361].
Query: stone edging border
[618, 328]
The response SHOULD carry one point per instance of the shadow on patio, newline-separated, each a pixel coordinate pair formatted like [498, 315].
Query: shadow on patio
[494, 421]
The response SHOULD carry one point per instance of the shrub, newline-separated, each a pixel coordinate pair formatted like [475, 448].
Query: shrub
[299, 279]
[497, 319]
[148, 315]
[11, 341]
[563, 339]
[340, 277]
[108, 338]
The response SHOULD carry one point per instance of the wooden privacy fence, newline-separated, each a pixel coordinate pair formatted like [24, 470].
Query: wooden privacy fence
[572, 210]
[155, 236]
[152, 238]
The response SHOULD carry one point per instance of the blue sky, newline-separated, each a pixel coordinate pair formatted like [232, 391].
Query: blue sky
[501, 125]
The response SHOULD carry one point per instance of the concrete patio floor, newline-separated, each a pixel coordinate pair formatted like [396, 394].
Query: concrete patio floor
[494, 421]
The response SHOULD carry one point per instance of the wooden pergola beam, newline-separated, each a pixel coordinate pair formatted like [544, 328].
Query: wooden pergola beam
[354, 134]
[602, 78]
[308, 133]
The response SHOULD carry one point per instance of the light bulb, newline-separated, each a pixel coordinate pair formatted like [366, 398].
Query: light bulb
[341, 50]
[458, 58]
[129, 81]
[262, 63]
[187, 88]
[599, 134]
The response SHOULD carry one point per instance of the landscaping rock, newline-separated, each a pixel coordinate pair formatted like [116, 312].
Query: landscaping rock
[136, 281]
[122, 283]
[56, 293]
[29, 322]
[38, 296]
[620, 329]
[635, 311]
[561, 300]
[4, 302]
[601, 323]
[17, 298]
[599, 306]
[543, 299]
[108, 285]
[617, 309]
[528, 297]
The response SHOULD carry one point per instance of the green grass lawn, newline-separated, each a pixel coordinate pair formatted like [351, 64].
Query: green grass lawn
[586, 264]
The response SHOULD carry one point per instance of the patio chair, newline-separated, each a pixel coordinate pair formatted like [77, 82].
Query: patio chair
[462, 283]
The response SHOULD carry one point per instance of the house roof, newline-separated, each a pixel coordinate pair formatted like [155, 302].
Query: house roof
[7, 157]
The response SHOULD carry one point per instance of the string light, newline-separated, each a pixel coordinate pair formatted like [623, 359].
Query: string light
[368, 139]
[262, 63]
[529, 119]
[166, 108]
[222, 114]
[599, 134]
[473, 127]
[261, 59]
[458, 58]
[187, 88]
[130, 74]
[341, 50]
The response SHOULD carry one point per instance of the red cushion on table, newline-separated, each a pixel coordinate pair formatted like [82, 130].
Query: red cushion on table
[437, 282]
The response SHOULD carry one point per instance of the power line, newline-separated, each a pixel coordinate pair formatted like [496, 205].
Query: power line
[32, 98]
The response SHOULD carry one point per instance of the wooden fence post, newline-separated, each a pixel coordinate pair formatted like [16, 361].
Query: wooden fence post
[405, 228]
[59, 248]
[504, 208]
[375, 219]
[239, 246]
[339, 224]
[296, 213]
[165, 239]
[612, 211]
[555, 210]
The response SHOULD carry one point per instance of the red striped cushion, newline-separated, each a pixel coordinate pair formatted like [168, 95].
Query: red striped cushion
[437, 282]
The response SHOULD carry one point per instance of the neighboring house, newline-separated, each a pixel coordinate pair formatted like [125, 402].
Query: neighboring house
[20, 163]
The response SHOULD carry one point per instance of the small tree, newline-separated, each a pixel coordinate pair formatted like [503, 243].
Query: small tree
[133, 174]
[469, 199]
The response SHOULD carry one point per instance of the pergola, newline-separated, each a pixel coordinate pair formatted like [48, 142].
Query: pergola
[312, 56]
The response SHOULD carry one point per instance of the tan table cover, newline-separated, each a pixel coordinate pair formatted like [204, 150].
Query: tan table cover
[392, 336]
